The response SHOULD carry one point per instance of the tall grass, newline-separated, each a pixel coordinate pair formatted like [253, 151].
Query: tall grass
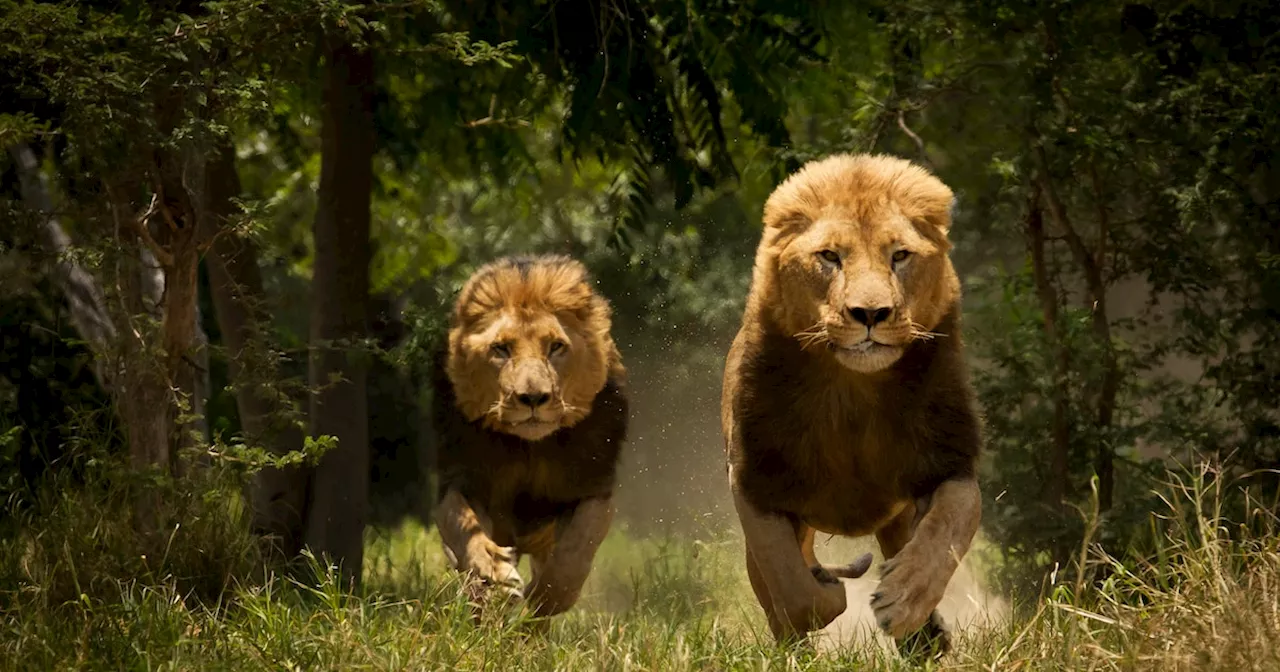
[73, 596]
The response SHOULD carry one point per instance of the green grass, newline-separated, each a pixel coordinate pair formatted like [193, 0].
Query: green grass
[72, 598]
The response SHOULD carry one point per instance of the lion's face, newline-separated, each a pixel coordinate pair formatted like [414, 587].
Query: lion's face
[857, 252]
[530, 348]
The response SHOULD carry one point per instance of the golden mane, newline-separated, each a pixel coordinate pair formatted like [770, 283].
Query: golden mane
[842, 182]
[552, 284]
[521, 293]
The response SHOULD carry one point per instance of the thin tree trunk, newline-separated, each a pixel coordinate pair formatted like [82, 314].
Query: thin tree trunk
[161, 394]
[143, 394]
[182, 340]
[338, 498]
[1105, 464]
[1095, 285]
[84, 296]
[1057, 486]
[277, 496]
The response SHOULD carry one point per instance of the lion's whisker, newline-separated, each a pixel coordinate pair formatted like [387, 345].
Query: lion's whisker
[919, 333]
[926, 335]
[813, 335]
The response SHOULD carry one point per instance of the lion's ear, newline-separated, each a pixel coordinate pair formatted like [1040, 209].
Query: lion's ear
[924, 199]
[792, 222]
[594, 313]
[938, 213]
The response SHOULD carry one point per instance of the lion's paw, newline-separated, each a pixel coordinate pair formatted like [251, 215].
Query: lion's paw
[910, 588]
[493, 572]
[928, 643]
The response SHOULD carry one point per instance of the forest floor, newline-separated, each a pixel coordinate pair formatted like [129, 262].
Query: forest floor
[1205, 602]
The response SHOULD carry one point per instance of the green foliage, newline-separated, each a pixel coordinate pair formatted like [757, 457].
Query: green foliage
[1152, 125]
[646, 82]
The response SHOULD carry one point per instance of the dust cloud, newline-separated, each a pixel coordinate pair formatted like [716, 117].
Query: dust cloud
[673, 482]
[966, 608]
[672, 479]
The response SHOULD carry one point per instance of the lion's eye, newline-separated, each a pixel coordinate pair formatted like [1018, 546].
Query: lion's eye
[830, 257]
[556, 347]
[901, 256]
[500, 350]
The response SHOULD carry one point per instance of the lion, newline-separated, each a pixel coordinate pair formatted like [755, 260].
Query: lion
[531, 414]
[846, 406]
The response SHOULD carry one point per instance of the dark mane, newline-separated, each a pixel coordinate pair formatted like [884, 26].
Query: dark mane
[923, 416]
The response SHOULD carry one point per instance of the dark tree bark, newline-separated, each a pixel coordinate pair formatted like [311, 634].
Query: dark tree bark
[277, 497]
[1057, 486]
[338, 496]
[1096, 295]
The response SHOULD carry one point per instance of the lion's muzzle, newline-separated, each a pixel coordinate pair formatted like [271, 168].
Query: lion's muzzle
[531, 406]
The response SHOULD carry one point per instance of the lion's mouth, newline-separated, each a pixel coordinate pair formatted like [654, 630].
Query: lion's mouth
[530, 429]
[865, 347]
[533, 423]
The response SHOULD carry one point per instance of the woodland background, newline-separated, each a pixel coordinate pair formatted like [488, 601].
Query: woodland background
[230, 232]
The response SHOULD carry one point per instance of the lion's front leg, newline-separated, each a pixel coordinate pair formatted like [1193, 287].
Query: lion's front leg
[467, 537]
[914, 578]
[798, 601]
[559, 574]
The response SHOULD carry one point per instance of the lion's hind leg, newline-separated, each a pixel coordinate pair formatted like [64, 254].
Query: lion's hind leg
[560, 571]
[467, 535]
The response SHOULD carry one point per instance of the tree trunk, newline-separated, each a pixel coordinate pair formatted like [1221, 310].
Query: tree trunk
[1096, 292]
[143, 395]
[182, 339]
[1057, 486]
[277, 497]
[162, 384]
[338, 501]
[84, 296]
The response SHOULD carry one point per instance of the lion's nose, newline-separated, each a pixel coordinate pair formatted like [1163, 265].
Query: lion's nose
[870, 316]
[533, 400]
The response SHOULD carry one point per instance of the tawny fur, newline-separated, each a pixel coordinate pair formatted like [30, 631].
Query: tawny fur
[516, 479]
[841, 424]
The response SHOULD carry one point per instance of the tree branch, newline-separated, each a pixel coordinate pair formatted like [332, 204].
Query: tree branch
[141, 226]
[902, 123]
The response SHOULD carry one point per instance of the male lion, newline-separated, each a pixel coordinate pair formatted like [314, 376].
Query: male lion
[846, 406]
[531, 415]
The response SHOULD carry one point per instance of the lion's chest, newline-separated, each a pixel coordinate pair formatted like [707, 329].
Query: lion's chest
[532, 477]
[532, 489]
[839, 466]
